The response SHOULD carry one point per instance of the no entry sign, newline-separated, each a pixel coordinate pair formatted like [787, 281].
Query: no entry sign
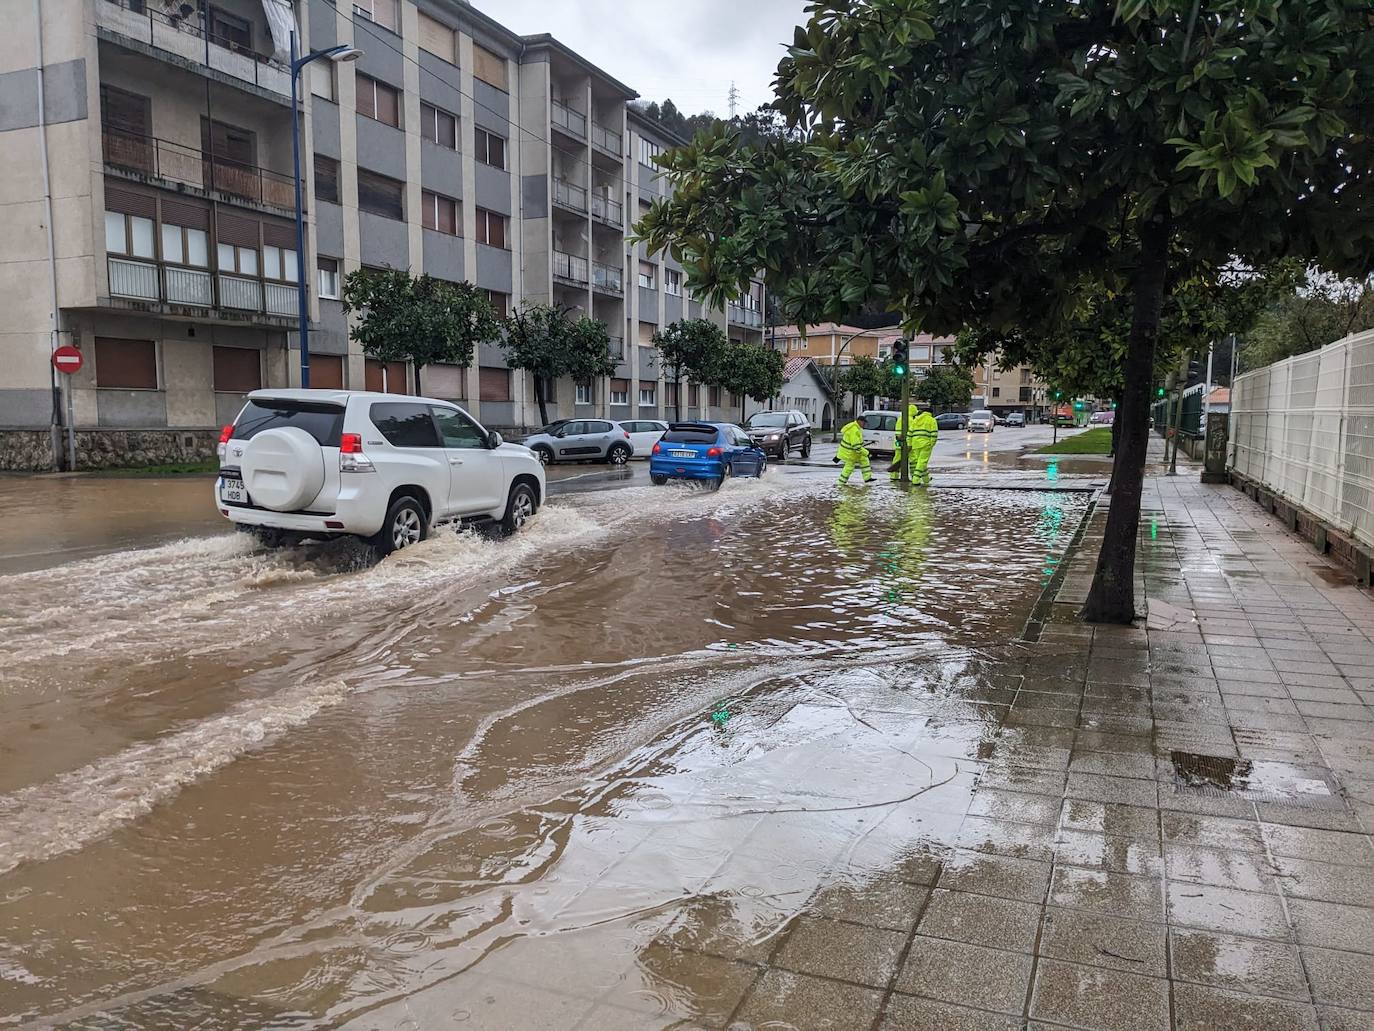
[66, 359]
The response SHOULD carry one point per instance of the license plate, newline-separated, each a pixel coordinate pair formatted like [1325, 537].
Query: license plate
[684, 454]
[232, 491]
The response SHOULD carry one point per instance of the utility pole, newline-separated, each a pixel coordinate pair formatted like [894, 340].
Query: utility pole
[733, 99]
[901, 365]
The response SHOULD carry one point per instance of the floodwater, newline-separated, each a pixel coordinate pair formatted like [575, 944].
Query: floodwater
[492, 783]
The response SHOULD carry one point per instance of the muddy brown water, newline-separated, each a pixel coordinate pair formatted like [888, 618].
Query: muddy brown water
[297, 789]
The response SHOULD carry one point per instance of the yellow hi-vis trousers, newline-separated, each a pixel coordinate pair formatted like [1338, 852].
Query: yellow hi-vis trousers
[851, 457]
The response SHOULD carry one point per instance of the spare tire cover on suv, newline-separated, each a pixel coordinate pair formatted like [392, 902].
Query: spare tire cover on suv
[283, 469]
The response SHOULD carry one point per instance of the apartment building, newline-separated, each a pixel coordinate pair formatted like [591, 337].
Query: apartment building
[162, 147]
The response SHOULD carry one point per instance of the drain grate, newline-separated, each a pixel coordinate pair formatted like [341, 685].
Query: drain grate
[1256, 780]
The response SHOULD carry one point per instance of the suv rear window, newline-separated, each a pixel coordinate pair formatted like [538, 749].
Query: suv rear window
[322, 421]
[690, 435]
[405, 424]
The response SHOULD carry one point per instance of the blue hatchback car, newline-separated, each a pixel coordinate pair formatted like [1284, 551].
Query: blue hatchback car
[711, 451]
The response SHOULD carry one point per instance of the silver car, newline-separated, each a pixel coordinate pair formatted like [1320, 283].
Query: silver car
[581, 440]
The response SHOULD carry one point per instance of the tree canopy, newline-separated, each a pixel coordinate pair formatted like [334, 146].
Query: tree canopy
[946, 388]
[750, 371]
[1322, 311]
[998, 164]
[692, 347]
[544, 340]
[421, 320]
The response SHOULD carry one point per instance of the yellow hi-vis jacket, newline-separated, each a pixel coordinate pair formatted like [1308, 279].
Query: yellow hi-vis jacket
[851, 438]
[924, 428]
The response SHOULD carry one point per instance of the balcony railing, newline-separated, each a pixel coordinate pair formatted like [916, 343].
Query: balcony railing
[608, 278]
[742, 316]
[610, 211]
[617, 348]
[607, 139]
[175, 162]
[133, 279]
[569, 195]
[187, 35]
[572, 122]
[569, 267]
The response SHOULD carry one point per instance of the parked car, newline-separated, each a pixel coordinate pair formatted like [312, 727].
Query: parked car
[385, 467]
[951, 421]
[581, 440]
[1016, 419]
[981, 422]
[644, 434]
[711, 451]
[778, 433]
[880, 431]
[1104, 418]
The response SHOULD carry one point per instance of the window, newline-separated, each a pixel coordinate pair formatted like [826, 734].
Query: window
[405, 424]
[237, 370]
[229, 30]
[129, 234]
[182, 245]
[1025, 394]
[327, 371]
[378, 100]
[279, 263]
[646, 334]
[672, 282]
[620, 392]
[489, 67]
[920, 353]
[500, 302]
[385, 377]
[648, 150]
[438, 126]
[491, 228]
[230, 144]
[457, 430]
[493, 384]
[381, 195]
[646, 274]
[647, 391]
[322, 81]
[644, 207]
[670, 394]
[491, 149]
[584, 394]
[326, 179]
[996, 391]
[714, 396]
[329, 277]
[437, 38]
[126, 364]
[440, 213]
[383, 12]
[243, 260]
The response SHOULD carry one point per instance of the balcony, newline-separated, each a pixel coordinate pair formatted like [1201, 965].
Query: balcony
[617, 348]
[612, 212]
[742, 316]
[608, 279]
[574, 123]
[569, 195]
[608, 141]
[152, 282]
[569, 268]
[148, 158]
[187, 39]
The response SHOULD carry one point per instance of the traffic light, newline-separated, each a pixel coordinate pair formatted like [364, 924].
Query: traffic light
[1159, 392]
[901, 354]
[1078, 406]
[1058, 394]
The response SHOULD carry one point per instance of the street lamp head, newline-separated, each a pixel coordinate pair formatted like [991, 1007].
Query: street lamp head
[344, 52]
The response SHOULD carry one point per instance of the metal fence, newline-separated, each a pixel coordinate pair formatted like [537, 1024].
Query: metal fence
[1304, 427]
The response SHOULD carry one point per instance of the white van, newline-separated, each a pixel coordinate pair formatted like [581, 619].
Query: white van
[880, 431]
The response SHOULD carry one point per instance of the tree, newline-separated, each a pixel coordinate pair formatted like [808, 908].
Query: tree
[421, 320]
[946, 388]
[1321, 312]
[750, 371]
[543, 340]
[866, 378]
[694, 347]
[993, 164]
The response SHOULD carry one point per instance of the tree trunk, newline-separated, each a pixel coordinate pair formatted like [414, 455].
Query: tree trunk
[677, 396]
[1112, 596]
[1116, 449]
[418, 391]
[539, 397]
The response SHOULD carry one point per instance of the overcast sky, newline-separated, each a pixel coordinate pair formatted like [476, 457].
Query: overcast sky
[688, 50]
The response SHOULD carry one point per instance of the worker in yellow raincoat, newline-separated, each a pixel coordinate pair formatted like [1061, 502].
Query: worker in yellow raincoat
[852, 452]
[921, 440]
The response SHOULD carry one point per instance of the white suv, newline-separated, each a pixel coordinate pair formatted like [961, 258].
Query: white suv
[387, 467]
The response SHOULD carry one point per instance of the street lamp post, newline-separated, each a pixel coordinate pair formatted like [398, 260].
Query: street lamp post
[342, 52]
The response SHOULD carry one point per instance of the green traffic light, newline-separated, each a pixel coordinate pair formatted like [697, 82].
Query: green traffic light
[1159, 392]
[899, 370]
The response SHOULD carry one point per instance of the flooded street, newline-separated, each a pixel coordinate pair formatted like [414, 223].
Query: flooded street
[297, 789]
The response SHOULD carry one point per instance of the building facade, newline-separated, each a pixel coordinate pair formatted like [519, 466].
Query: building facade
[150, 209]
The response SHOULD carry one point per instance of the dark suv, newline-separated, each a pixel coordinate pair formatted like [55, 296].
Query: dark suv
[779, 433]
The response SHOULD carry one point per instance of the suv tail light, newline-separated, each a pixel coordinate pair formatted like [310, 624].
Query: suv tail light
[351, 457]
[627, 434]
[224, 434]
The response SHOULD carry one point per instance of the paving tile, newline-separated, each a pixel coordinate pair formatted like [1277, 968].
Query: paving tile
[906, 1013]
[726, 926]
[1246, 871]
[1094, 998]
[1325, 882]
[984, 873]
[829, 948]
[1341, 978]
[1321, 845]
[886, 903]
[966, 974]
[1110, 818]
[1019, 778]
[1206, 1009]
[1212, 832]
[1113, 853]
[1113, 894]
[1025, 840]
[1078, 936]
[1239, 964]
[692, 986]
[998, 804]
[1333, 925]
[1227, 910]
[783, 999]
[1125, 790]
[494, 1004]
[1335, 1019]
[980, 920]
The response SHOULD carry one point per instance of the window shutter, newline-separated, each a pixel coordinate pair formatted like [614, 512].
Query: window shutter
[131, 364]
[489, 67]
[437, 38]
[493, 384]
[279, 234]
[327, 371]
[130, 202]
[237, 370]
[179, 212]
[237, 230]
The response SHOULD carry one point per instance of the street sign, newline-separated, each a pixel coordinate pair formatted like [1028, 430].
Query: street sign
[67, 360]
